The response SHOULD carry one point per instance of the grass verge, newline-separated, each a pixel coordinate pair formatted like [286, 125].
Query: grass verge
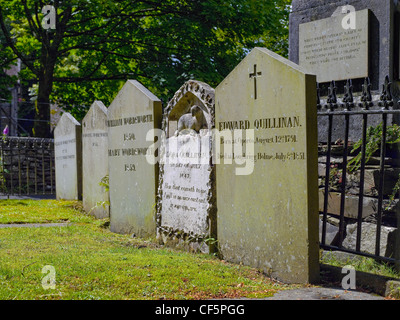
[90, 262]
[360, 263]
[41, 211]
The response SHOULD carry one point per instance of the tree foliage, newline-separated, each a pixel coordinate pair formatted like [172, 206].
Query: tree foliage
[6, 61]
[98, 44]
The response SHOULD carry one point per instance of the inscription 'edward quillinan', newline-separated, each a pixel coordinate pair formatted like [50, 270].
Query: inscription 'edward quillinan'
[268, 123]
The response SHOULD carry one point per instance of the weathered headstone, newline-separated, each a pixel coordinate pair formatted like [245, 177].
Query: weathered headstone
[68, 158]
[268, 217]
[95, 160]
[132, 179]
[186, 210]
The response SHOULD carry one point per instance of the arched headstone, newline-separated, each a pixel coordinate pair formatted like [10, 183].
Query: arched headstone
[186, 206]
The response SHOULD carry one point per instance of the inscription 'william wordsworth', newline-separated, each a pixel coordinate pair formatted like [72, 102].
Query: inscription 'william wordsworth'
[129, 137]
[130, 120]
[268, 123]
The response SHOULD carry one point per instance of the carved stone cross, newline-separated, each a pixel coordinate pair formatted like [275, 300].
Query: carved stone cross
[255, 75]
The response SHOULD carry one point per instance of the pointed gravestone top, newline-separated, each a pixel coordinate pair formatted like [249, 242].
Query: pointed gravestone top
[66, 123]
[97, 111]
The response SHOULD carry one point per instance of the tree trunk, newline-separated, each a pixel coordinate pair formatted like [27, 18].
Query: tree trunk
[41, 127]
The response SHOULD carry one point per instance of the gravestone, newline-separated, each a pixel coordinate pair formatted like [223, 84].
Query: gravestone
[132, 179]
[95, 161]
[186, 207]
[68, 158]
[339, 40]
[268, 216]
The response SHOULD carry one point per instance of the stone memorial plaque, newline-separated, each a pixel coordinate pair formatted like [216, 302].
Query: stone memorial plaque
[132, 179]
[95, 160]
[268, 216]
[333, 51]
[68, 158]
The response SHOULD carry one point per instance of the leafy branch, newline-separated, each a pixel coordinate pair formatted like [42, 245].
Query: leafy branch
[374, 140]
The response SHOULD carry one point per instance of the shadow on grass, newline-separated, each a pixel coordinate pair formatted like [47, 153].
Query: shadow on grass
[12, 203]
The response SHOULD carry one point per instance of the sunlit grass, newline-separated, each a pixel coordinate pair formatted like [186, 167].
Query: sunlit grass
[93, 263]
[40, 211]
[362, 264]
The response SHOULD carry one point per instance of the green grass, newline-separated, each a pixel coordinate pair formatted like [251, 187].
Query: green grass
[92, 263]
[362, 264]
[41, 211]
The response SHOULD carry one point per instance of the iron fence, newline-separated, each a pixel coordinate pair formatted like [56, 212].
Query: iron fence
[27, 166]
[367, 106]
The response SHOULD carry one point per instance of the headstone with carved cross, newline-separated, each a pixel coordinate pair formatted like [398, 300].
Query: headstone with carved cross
[269, 218]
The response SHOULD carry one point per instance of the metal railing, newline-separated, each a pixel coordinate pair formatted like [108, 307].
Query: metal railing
[27, 166]
[380, 105]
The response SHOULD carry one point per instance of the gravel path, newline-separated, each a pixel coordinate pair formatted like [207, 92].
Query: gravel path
[323, 294]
